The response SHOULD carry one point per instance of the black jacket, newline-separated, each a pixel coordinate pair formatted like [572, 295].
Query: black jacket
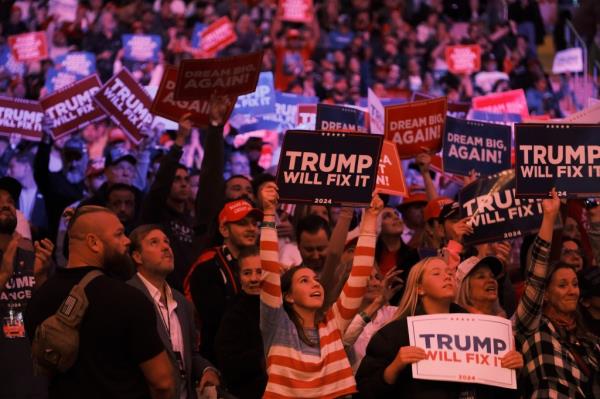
[239, 349]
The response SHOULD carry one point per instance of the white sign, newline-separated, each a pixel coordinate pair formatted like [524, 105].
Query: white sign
[376, 113]
[463, 347]
[569, 60]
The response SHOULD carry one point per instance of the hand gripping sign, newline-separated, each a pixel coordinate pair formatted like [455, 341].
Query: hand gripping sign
[201, 79]
[557, 155]
[328, 168]
[495, 212]
[127, 103]
[463, 347]
[165, 105]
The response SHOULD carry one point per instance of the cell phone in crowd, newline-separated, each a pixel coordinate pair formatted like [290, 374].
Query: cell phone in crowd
[591, 203]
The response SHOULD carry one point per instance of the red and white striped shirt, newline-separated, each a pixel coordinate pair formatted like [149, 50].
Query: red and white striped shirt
[297, 370]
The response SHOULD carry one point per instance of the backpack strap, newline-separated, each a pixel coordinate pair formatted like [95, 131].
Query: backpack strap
[73, 308]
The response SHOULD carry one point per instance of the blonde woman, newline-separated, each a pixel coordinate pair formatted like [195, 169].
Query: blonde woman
[385, 371]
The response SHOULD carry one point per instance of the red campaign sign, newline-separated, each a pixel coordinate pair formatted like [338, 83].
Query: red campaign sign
[127, 103]
[417, 125]
[306, 117]
[455, 110]
[73, 106]
[31, 46]
[390, 177]
[512, 102]
[165, 105]
[21, 116]
[463, 59]
[217, 36]
[296, 10]
[234, 76]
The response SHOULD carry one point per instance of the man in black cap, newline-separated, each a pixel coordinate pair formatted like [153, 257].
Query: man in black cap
[21, 271]
[60, 189]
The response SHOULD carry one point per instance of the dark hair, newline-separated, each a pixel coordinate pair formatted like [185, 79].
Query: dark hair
[138, 235]
[312, 224]
[286, 287]
[556, 266]
[121, 187]
[259, 180]
[238, 177]
[247, 252]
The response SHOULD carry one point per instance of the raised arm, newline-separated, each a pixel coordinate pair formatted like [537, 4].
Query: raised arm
[210, 186]
[270, 291]
[335, 249]
[527, 317]
[594, 232]
[161, 187]
[347, 305]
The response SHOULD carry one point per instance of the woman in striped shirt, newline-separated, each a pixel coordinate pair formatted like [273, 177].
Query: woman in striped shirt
[305, 354]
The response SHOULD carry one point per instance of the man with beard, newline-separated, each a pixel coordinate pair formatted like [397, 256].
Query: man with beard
[153, 257]
[21, 271]
[62, 188]
[213, 281]
[120, 353]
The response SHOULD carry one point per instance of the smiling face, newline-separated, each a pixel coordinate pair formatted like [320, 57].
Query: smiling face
[563, 291]
[306, 291]
[483, 286]
[242, 233]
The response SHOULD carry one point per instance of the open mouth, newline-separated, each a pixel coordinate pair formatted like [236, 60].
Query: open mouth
[316, 294]
[491, 289]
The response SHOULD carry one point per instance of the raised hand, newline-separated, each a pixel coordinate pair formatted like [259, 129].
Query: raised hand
[185, 129]
[270, 198]
[459, 229]
[551, 206]
[376, 205]
[219, 105]
[43, 255]
[390, 285]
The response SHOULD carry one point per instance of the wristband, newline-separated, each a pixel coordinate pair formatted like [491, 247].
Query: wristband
[271, 225]
[364, 316]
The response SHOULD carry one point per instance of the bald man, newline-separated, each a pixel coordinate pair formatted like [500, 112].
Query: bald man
[120, 354]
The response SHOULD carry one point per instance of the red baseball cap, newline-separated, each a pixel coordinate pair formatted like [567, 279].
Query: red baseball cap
[234, 211]
[434, 207]
[413, 199]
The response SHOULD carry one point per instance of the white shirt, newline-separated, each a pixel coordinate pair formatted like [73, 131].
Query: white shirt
[169, 319]
[27, 201]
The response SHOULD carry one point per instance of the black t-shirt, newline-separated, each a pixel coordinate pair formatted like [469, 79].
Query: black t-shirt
[16, 372]
[117, 333]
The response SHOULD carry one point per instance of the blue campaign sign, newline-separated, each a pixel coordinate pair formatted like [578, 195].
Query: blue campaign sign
[505, 119]
[328, 168]
[8, 62]
[286, 108]
[57, 79]
[196, 36]
[340, 119]
[469, 145]
[81, 63]
[262, 101]
[260, 124]
[494, 211]
[141, 48]
[557, 155]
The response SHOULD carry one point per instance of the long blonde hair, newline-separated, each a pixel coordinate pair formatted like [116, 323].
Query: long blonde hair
[410, 298]
[464, 298]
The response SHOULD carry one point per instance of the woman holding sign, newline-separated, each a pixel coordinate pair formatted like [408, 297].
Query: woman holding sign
[386, 369]
[305, 353]
[562, 358]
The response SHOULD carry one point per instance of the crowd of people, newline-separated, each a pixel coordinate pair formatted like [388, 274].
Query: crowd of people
[211, 288]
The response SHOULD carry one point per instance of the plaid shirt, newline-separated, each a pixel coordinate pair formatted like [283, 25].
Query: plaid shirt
[550, 368]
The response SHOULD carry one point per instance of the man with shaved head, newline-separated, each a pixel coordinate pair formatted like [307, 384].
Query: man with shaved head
[120, 352]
